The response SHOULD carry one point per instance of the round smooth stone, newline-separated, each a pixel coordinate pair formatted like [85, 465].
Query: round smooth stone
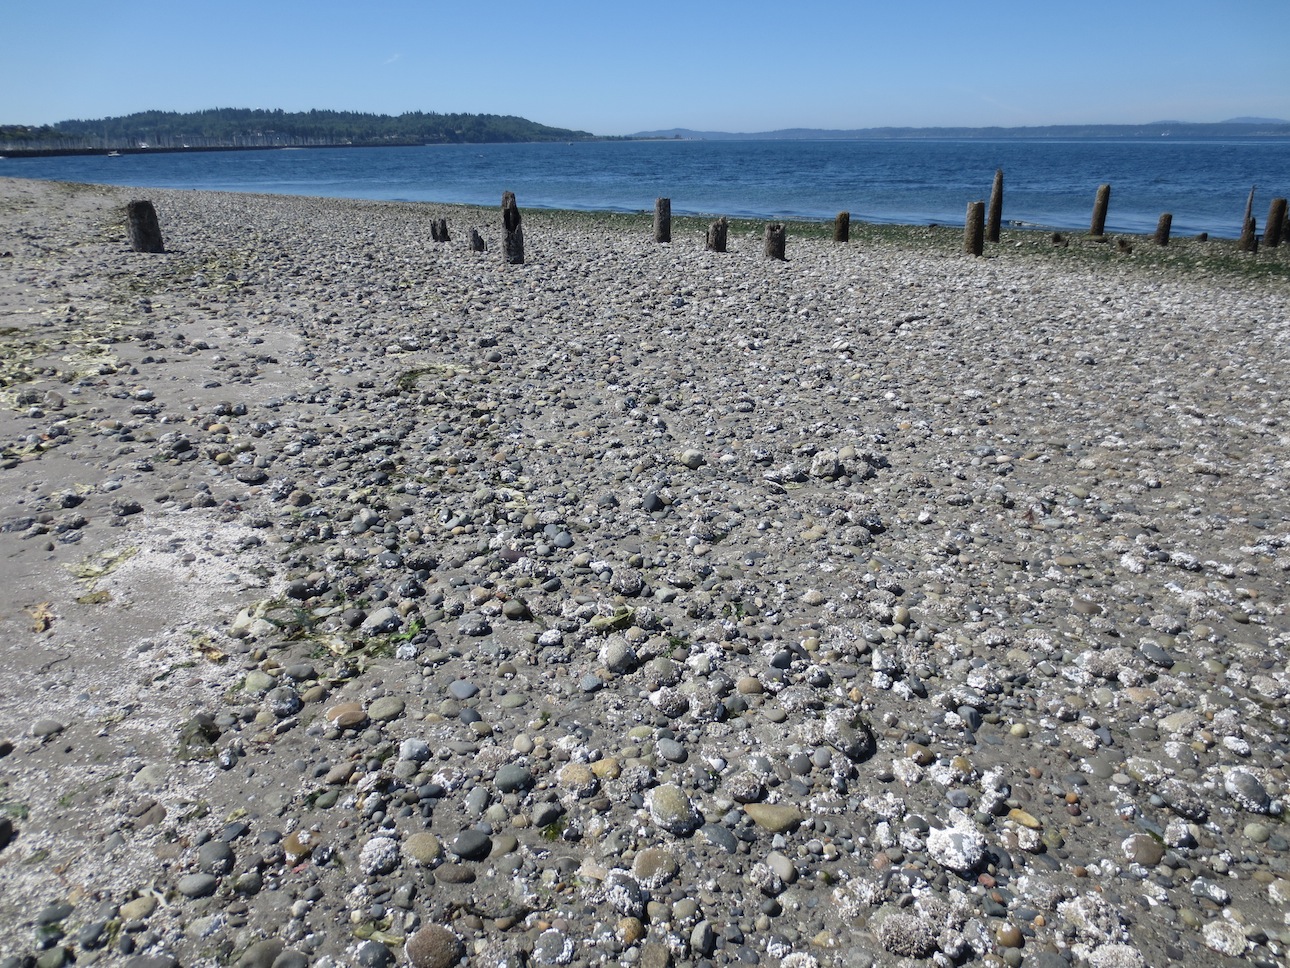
[386, 708]
[472, 845]
[198, 885]
[346, 715]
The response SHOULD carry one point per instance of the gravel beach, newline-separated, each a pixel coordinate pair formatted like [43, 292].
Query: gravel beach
[368, 601]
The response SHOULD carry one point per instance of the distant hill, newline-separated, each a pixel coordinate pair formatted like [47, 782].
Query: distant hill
[1235, 128]
[254, 128]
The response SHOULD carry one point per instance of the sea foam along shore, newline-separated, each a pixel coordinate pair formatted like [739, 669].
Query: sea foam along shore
[639, 604]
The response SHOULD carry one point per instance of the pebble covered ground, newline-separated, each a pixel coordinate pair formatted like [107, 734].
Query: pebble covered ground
[369, 601]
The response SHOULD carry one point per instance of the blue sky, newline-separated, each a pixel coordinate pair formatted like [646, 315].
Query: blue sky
[620, 66]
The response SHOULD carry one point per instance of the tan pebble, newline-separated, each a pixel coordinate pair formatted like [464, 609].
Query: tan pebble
[607, 769]
[749, 686]
[423, 847]
[138, 908]
[630, 930]
[775, 817]
[1020, 816]
[339, 774]
[920, 754]
[299, 844]
[1008, 936]
[579, 779]
[346, 715]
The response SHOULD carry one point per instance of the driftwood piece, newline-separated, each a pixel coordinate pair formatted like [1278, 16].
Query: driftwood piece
[842, 227]
[974, 229]
[145, 231]
[1274, 230]
[513, 239]
[1162, 229]
[776, 241]
[662, 220]
[717, 231]
[1098, 227]
[994, 219]
[476, 241]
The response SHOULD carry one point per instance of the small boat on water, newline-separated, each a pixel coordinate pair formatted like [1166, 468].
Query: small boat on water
[114, 154]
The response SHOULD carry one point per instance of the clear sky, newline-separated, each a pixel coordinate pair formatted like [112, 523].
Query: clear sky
[621, 66]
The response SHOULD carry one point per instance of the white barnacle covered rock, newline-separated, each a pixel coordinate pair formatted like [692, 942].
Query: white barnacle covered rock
[906, 935]
[959, 848]
[380, 855]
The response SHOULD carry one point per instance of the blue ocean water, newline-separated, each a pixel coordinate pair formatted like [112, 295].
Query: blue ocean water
[1048, 184]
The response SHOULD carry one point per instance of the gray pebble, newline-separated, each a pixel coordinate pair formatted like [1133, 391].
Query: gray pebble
[471, 845]
[197, 885]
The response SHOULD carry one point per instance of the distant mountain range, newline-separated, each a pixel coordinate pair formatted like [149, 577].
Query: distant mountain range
[1233, 128]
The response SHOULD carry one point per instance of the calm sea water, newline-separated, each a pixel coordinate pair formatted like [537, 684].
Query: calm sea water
[1048, 184]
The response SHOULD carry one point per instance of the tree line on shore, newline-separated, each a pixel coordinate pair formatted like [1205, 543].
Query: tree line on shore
[245, 127]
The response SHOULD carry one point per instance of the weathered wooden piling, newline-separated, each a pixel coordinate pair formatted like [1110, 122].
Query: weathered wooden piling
[513, 237]
[145, 231]
[974, 229]
[662, 220]
[1249, 240]
[1098, 227]
[1162, 229]
[1274, 230]
[476, 241]
[995, 219]
[842, 227]
[717, 231]
[439, 230]
[776, 240]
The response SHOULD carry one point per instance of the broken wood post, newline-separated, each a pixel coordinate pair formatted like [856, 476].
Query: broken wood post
[662, 220]
[439, 229]
[145, 232]
[513, 239]
[1162, 229]
[716, 240]
[995, 219]
[842, 227]
[974, 229]
[476, 241]
[1249, 241]
[1274, 230]
[1098, 228]
[776, 239]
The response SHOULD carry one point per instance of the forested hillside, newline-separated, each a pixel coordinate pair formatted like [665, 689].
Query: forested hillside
[242, 127]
